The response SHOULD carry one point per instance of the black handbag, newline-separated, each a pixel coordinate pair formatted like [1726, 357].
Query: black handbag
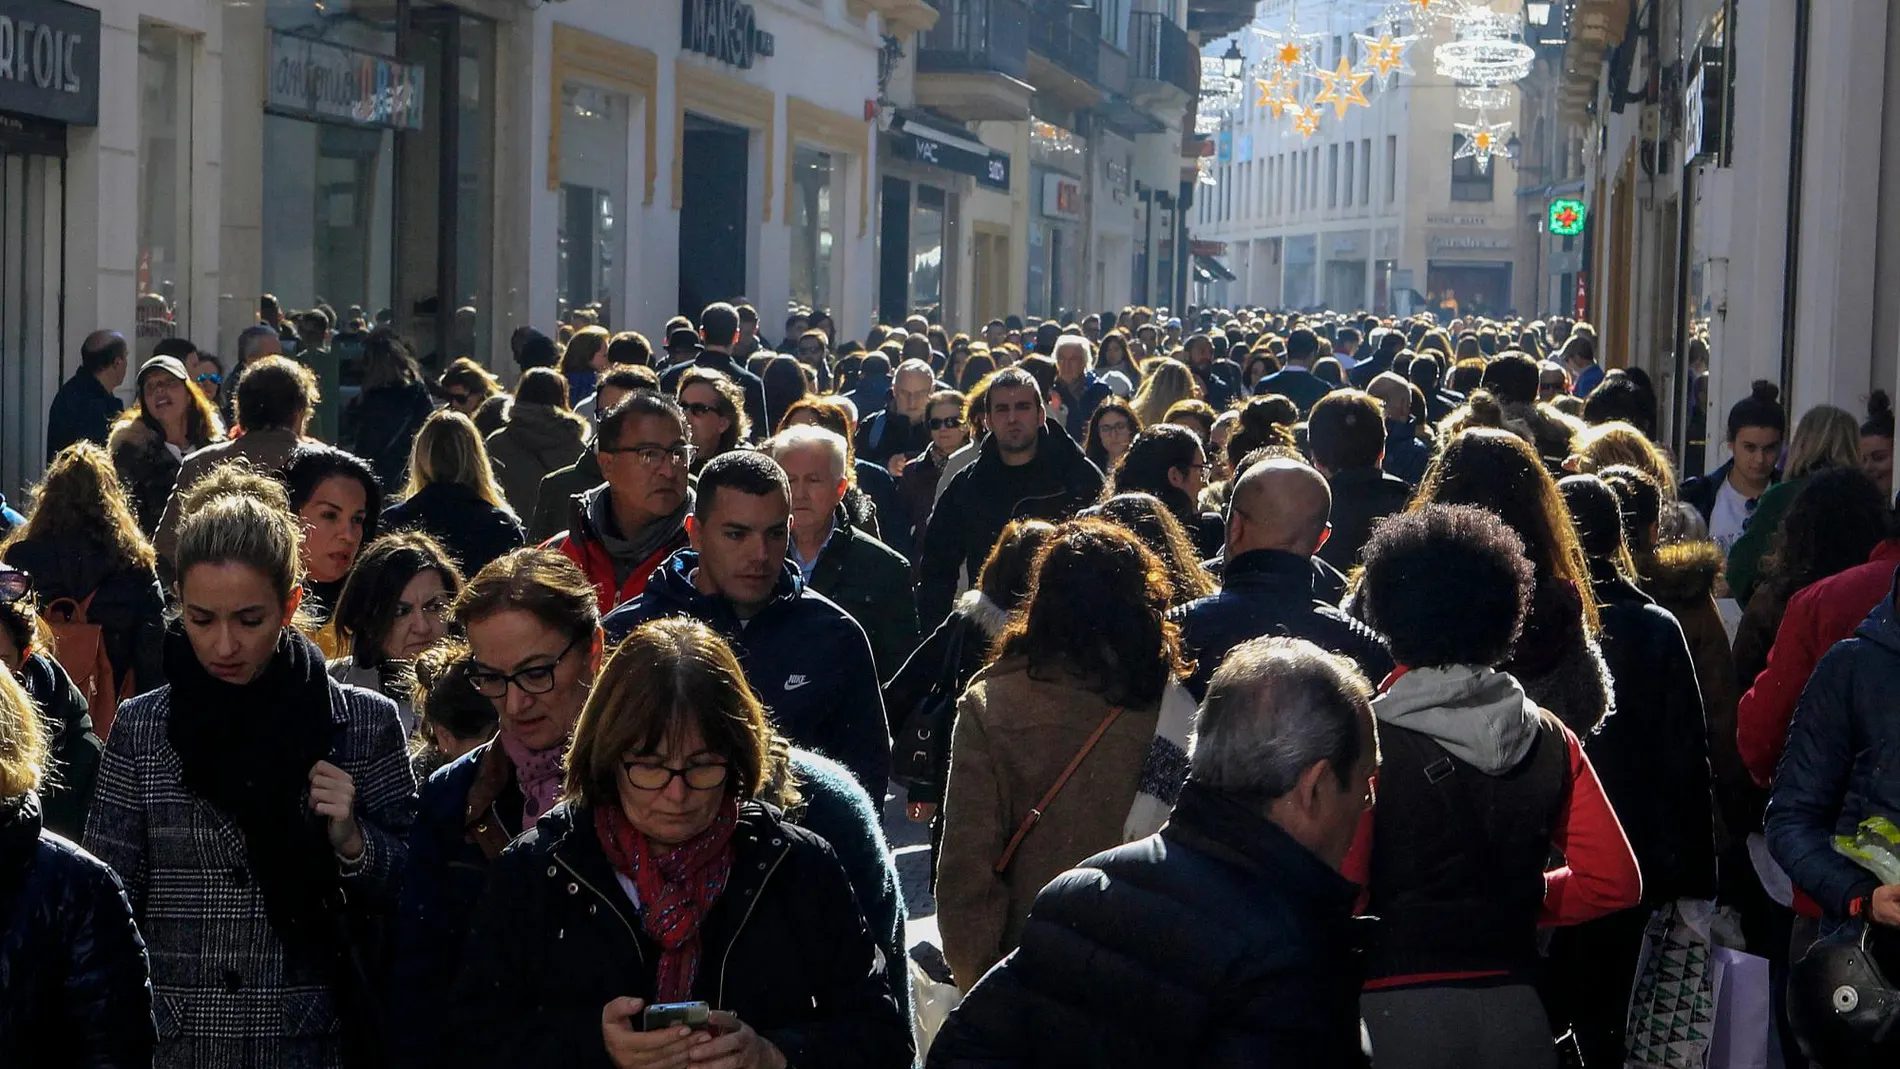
[917, 752]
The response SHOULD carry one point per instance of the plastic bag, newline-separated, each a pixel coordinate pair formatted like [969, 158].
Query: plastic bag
[931, 1003]
[1875, 846]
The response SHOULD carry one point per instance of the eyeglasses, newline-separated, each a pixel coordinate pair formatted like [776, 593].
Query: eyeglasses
[535, 679]
[811, 350]
[14, 586]
[647, 776]
[944, 424]
[699, 408]
[651, 455]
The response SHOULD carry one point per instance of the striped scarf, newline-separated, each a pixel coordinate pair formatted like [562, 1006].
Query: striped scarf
[677, 887]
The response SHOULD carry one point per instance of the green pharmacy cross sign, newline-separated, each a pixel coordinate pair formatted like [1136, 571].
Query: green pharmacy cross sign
[1566, 216]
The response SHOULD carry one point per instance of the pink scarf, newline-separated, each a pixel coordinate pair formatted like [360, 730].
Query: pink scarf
[539, 774]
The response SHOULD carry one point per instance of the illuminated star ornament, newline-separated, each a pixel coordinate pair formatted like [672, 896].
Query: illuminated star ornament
[1385, 55]
[1343, 88]
[1305, 120]
[1293, 53]
[1482, 141]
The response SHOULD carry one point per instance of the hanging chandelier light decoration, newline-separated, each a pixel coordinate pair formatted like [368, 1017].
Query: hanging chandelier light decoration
[1487, 49]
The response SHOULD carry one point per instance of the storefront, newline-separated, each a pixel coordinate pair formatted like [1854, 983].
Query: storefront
[1058, 158]
[1469, 272]
[926, 166]
[49, 80]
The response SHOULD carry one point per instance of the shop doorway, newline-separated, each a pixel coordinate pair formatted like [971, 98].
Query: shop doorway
[1463, 289]
[713, 206]
[32, 299]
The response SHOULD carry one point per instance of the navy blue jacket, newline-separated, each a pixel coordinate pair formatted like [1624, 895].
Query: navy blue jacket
[1269, 592]
[83, 410]
[1219, 942]
[1842, 764]
[1405, 456]
[1296, 384]
[808, 659]
[893, 516]
[1221, 381]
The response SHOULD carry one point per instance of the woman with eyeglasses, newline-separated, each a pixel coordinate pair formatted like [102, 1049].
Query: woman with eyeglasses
[949, 432]
[255, 808]
[533, 624]
[149, 442]
[715, 410]
[73, 747]
[1112, 429]
[394, 606]
[662, 877]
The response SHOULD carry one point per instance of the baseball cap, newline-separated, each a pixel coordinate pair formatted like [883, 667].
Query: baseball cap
[171, 365]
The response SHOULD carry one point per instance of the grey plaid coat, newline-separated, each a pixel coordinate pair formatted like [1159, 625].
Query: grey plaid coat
[224, 995]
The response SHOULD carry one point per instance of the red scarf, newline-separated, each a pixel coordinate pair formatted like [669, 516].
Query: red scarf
[677, 887]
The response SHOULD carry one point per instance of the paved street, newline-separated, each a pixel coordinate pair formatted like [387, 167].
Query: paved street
[911, 844]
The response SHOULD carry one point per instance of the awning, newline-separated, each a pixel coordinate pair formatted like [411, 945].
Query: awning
[940, 143]
[1212, 269]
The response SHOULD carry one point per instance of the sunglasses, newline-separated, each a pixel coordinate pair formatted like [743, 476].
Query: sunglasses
[209, 378]
[14, 586]
[944, 424]
[457, 397]
[697, 408]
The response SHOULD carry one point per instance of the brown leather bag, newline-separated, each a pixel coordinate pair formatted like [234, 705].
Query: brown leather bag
[1034, 816]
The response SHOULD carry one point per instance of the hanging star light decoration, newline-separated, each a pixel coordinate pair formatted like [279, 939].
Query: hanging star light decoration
[1483, 140]
[1292, 53]
[1305, 119]
[1385, 55]
[1343, 88]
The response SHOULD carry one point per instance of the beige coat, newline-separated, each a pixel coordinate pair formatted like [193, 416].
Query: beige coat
[1014, 735]
[265, 450]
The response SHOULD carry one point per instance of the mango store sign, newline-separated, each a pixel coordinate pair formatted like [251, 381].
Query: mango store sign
[325, 81]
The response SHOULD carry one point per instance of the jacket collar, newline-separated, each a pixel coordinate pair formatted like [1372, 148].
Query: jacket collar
[1613, 587]
[1206, 820]
[481, 820]
[1359, 477]
[1055, 450]
[674, 582]
[1270, 566]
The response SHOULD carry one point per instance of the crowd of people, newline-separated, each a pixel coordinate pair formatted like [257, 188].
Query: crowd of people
[1278, 689]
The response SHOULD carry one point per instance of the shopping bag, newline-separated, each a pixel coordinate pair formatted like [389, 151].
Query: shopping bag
[1743, 1035]
[931, 1004]
[1672, 1004]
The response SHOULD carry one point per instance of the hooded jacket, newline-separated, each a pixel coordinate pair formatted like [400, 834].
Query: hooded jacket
[1477, 788]
[806, 657]
[1681, 578]
[472, 530]
[537, 440]
[1268, 592]
[586, 542]
[126, 604]
[1842, 763]
[983, 498]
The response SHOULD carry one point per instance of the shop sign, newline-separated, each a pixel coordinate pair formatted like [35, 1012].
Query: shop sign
[49, 60]
[726, 30]
[1457, 220]
[342, 84]
[1061, 197]
[1469, 243]
[917, 142]
[1567, 215]
[1199, 247]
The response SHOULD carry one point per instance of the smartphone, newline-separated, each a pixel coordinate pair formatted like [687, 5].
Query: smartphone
[671, 1014]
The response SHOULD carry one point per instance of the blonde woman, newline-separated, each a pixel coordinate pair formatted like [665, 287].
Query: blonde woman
[452, 494]
[1168, 381]
[82, 959]
[1609, 444]
[1826, 437]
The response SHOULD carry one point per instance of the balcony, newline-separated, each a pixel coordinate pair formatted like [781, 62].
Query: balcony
[1065, 53]
[1164, 69]
[973, 64]
[1218, 18]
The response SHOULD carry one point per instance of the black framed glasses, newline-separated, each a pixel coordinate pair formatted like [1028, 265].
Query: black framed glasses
[14, 585]
[945, 424]
[653, 776]
[700, 408]
[651, 455]
[535, 679]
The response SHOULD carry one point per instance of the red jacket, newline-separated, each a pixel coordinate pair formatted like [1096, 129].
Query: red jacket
[1818, 616]
[578, 545]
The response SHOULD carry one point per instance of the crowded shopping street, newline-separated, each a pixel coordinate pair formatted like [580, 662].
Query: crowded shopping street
[949, 534]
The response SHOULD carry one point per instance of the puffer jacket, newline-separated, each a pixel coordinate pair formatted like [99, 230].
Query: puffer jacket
[1842, 763]
[537, 440]
[807, 658]
[1219, 943]
[67, 796]
[75, 983]
[472, 530]
[784, 947]
[126, 604]
[871, 581]
[1269, 592]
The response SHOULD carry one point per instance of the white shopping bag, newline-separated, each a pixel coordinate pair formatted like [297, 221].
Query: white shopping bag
[1743, 1034]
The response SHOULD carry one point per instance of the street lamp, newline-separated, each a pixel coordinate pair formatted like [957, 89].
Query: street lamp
[1539, 13]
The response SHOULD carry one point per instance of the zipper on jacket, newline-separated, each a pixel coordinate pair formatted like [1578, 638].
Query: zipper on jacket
[760, 893]
[611, 908]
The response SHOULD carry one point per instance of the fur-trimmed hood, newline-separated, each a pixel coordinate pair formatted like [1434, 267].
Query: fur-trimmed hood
[977, 607]
[133, 433]
[1682, 572]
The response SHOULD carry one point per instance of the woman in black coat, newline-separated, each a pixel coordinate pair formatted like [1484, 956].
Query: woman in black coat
[452, 495]
[729, 906]
[75, 986]
[383, 420]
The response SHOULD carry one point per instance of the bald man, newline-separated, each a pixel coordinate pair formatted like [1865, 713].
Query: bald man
[84, 407]
[1276, 522]
[1406, 457]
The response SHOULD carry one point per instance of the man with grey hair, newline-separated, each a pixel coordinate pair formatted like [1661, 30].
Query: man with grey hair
[1080, 391]
[868, 579]
[1228, 933]
[254, 343]
[899, 432]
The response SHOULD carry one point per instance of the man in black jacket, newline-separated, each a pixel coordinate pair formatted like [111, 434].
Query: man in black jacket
[1276, 521]
[84, 407]
[808, 660]
[1383, 346]
[1226, 939]
[1028, 468]
[1346, 433]
[719, 330]
[1294, 381]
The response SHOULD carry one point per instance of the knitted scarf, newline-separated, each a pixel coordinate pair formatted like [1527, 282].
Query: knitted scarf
[677, 887]
[1165, 768]
[538, 772]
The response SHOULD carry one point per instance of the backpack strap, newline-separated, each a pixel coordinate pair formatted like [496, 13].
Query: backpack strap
[1034, 816]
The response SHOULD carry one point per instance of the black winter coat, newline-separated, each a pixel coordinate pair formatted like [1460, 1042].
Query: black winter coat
[984, 497]
[76, 750]
[1268, 592]
[472, 530]
[871, 581]
[147, 469]
[128, 606]
[975, 624]
[555, 939]
[75, 984]
[1361, 498]
[1219, 942]
[1653, 755]
[82, 410]
[383, 425]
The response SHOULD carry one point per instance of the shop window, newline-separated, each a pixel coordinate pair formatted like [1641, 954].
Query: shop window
[814, 226]
[591, 226]
[1468, 183]
[926, 253]
[164, 267]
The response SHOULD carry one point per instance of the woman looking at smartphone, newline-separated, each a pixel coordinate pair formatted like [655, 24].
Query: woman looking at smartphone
[660, 878]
